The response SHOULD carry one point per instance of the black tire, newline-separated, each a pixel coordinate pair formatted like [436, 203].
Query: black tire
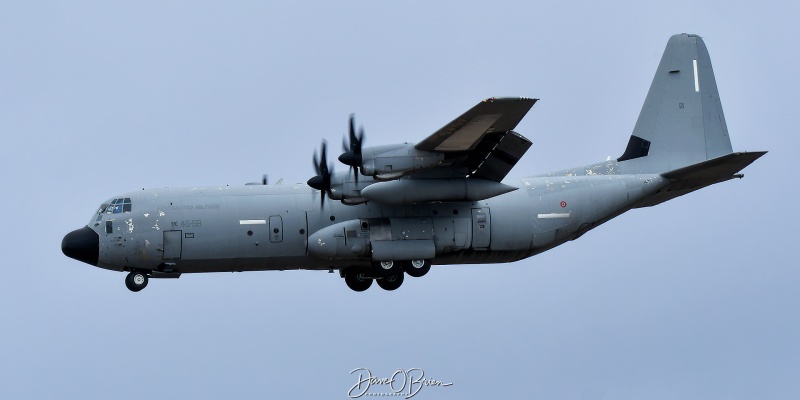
[392, 282]
[356, 281]
[136, 281]
[387, 268]
[417, 268]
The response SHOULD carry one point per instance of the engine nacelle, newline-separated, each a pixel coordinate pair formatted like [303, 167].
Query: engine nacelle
[394, 161]
[345, 188]
[413, 191]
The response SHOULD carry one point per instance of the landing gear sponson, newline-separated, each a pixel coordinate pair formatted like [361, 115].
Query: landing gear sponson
[388, 274]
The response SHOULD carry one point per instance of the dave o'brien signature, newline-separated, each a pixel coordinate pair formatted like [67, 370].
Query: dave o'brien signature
[401, 382]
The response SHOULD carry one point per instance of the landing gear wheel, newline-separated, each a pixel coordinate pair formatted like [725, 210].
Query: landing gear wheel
[136, 281]
[357, 281]
[391, 282]
[387, 268]
[418, 268]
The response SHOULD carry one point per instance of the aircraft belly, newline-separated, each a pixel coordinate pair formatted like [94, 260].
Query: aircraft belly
[250, 264]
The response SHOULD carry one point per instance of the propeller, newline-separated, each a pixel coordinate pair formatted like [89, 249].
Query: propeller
[352, 150]
[322, 181]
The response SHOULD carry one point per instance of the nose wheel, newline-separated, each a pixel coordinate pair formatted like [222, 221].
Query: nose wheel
[136, 281]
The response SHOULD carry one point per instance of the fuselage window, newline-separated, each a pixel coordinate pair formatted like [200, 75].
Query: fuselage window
[119, 206]
[109, 227]
[100, 212]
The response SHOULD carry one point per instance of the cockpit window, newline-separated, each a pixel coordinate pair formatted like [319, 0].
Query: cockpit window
[101, 211]
[118, 206]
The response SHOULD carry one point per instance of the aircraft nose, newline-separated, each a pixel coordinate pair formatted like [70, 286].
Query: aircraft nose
[83, 245]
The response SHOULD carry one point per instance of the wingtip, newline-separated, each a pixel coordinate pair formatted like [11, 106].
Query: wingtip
[508, 99]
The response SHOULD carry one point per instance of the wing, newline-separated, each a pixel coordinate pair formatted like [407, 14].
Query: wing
[482, 140]
[465, 132]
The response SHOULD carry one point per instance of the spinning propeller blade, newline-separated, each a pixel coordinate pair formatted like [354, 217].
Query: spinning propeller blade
[322, 181]
[352, 150]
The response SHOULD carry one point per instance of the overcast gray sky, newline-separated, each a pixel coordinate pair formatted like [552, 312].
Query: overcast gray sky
[696, 298]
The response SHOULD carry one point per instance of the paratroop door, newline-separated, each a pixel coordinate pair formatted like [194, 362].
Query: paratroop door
[172, 244]
[481, 232]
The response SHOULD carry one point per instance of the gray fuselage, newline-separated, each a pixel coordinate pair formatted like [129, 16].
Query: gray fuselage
[262, 227]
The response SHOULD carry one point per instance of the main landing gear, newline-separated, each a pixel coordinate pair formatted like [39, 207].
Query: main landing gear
[418, 268]
[136, 281]
[391, 282]
[388, 274]
[357, 280]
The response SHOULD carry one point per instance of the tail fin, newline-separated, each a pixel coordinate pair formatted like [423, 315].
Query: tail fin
[681, 122]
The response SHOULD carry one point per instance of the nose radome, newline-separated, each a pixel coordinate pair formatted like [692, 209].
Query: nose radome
[83, 245]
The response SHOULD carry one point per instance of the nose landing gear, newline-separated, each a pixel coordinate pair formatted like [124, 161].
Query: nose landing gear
[136, 281]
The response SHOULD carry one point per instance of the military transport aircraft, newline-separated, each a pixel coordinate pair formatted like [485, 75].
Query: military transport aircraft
[444, 200]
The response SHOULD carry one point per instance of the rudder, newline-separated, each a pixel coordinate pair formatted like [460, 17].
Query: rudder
[681, 122]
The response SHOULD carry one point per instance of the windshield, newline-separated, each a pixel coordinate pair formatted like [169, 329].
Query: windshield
[118, 206]
[114, 206]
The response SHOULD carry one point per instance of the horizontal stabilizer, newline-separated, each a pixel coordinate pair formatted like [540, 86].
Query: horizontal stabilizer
[688, 179]
[720, 168]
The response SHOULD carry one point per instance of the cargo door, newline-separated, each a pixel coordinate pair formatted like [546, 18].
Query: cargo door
[481, 232]
[173, 242]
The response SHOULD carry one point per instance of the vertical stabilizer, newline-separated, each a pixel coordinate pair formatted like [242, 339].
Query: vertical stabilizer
[681, 122]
